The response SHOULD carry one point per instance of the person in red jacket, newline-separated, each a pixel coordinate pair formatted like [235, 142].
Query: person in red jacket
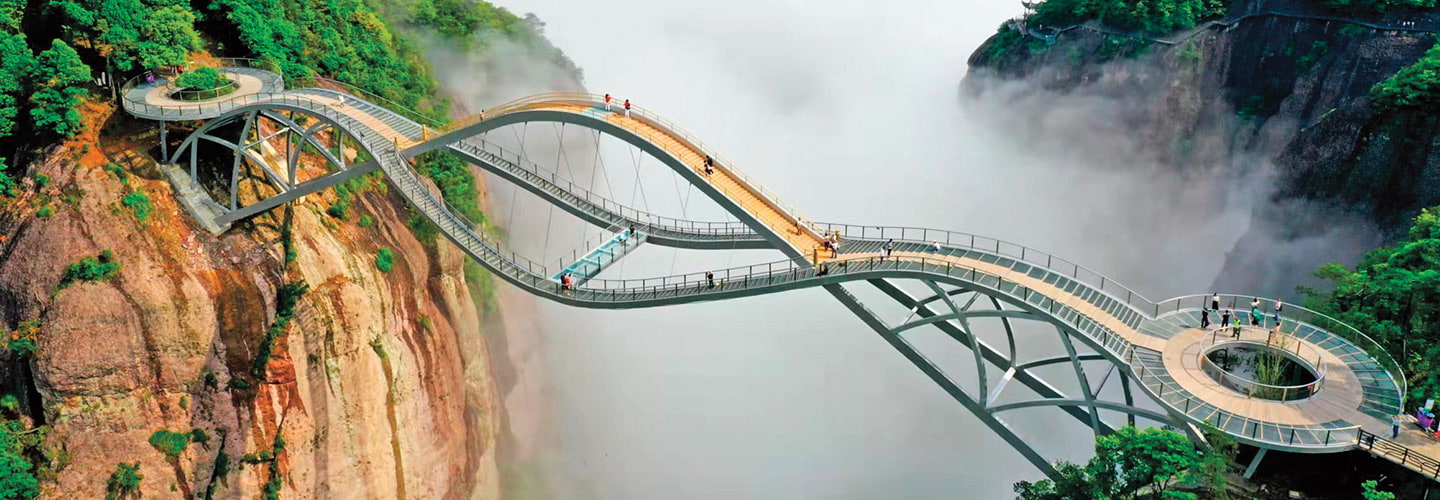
[627, 108]
[607, 102]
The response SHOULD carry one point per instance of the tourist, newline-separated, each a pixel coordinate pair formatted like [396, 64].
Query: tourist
[1279, 305]
[565, 283]
[1204, 319]
[627, 108]
[632, 229]
[1225, 318]
[709, 165]
[1394, 426]
[342, 100]
[890, 247]
[1236, 324]
[936, 246]
[607, 102]
[1215, 302]
[710, 278]
[1255, 311]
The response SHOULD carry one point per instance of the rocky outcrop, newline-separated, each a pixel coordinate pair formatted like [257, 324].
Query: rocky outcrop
[378, 388]
[1288, 92]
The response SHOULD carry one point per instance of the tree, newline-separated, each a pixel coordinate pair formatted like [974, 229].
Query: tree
[1391, 295]
[17, 64]
[124, 482]
[1130, 461]
[166, 39]
[16, 481]
[152, 34]
[1372, 491]
[59, 75]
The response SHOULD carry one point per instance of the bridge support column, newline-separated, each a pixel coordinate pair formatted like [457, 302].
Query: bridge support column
[1255, 462]
[164, 143]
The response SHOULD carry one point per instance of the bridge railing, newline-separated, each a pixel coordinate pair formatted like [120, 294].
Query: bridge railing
[1399, 454]
[1254, 388]
[1297, 437]
[136, 104]
[517, 162]
[597, 101]
[1296, 313]
[968, 241]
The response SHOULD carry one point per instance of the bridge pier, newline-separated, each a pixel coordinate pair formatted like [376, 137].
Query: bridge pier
[164, 143]
[1255, 463]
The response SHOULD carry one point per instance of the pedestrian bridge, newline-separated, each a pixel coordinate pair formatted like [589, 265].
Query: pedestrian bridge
[1153, 348]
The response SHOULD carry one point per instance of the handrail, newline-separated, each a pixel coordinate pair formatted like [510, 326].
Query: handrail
[523, 164]
[1252, 387]
[227, 88]
[660, 123]
[1312, 318]
[1406, 457]
[1333, 437]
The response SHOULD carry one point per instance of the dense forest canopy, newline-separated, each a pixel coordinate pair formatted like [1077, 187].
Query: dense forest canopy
[1153, 16]
[1393, 295]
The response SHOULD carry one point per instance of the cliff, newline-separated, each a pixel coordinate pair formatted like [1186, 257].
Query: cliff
[378, 387]
[1280, 85]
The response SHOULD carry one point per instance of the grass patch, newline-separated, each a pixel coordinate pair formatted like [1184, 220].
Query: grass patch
[385, 260]
[139, 204]
[45, 212]
[124, 482]
[172, 444]
[91, 269]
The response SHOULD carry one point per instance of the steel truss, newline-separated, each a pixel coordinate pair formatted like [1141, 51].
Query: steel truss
[951, 311]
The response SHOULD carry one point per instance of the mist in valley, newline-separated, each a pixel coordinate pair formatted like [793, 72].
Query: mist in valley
[850, 111]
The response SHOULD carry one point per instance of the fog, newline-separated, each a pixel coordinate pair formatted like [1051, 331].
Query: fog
[851, 111]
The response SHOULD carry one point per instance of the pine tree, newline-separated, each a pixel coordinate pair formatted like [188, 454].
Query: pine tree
[59, 77]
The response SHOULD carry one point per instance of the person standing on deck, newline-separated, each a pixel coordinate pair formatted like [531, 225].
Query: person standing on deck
[607, 102]
[890, 247]
[1215, 302]
[709, 165]
[627, 108]
[1204, 319]
[1394, 426]
[935, 246]
[1279, 305]
[710, 278]
[1255, 311]
[1236, 326]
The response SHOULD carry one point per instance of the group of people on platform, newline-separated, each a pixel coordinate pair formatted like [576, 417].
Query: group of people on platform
[1228, 318]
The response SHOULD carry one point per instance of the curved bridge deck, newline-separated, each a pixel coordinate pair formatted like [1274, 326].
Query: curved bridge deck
[1155, 341]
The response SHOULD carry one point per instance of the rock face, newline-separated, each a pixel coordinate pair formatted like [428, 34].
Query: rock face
[378, 388]
[1288, 91]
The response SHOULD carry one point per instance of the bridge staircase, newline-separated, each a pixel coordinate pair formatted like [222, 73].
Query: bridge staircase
[605, 254]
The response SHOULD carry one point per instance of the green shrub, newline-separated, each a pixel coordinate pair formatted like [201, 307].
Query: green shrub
[91, 269]
[10, 404]
[204, 78]
[45, 212]
[139, 203]
[21, 347]
[198, 436]
[366, 221]
[42, 180]
[424, 230]
[7, 185]
[385, 260]
[1415, 88]
[124, 482]
[172, 444]
[119, 173]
